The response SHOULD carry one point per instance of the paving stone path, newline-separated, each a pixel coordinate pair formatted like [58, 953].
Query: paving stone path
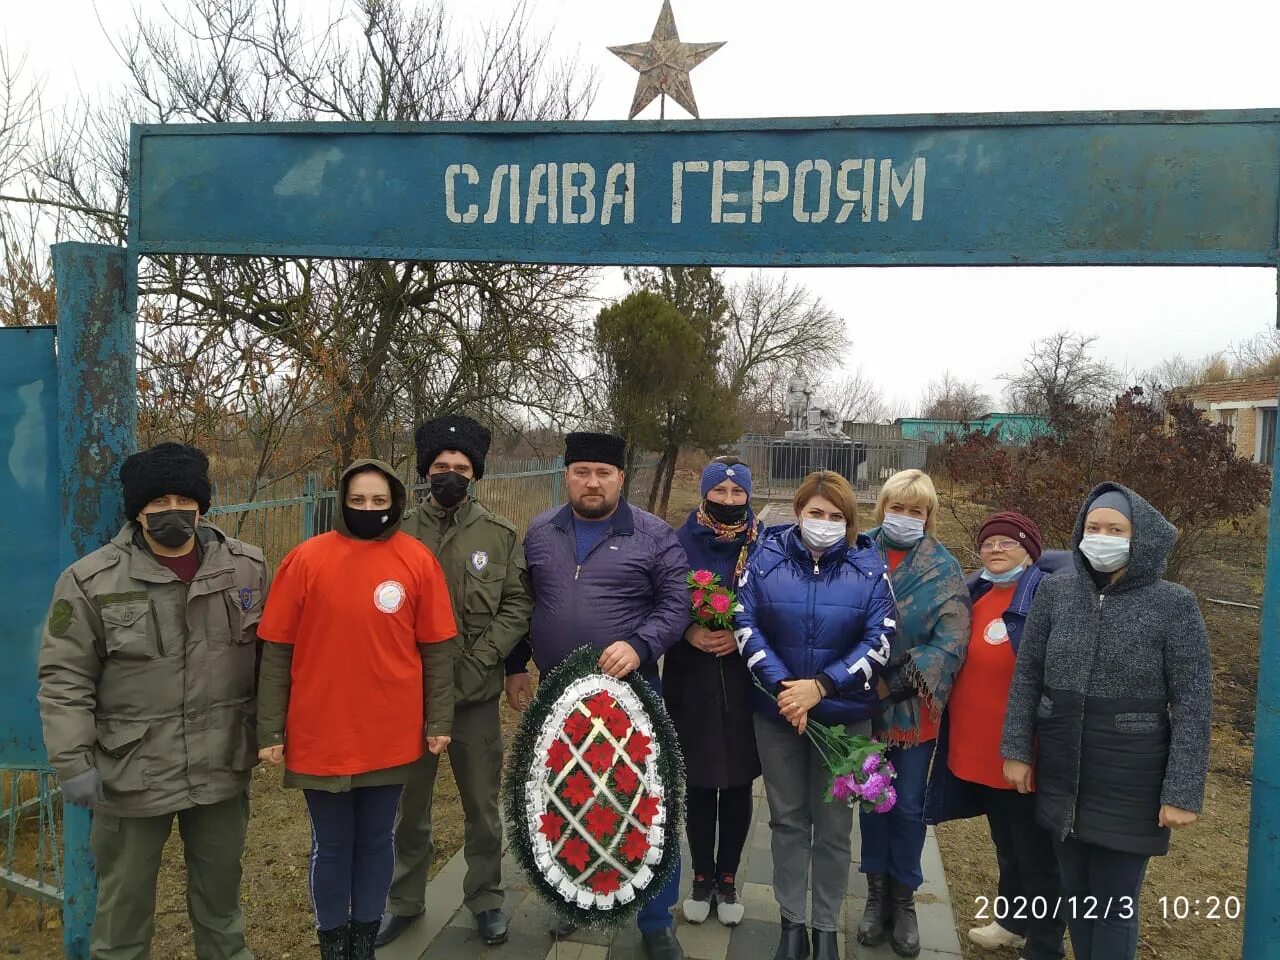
[447, 932]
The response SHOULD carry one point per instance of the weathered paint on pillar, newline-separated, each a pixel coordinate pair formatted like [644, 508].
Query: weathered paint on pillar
[97, 420]
[1262, 905]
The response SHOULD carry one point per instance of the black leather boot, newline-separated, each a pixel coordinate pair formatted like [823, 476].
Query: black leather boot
[825, 945]
[873, 928]
[794, 942]
[906, 930]
[363, 935]
[335, 944]
[392, 926]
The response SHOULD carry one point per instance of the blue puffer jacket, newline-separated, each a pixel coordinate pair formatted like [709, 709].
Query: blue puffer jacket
[798, 619]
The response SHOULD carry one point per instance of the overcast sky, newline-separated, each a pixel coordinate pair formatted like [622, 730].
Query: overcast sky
[821, 57]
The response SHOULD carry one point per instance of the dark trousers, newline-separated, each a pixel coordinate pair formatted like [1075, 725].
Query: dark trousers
[1094, 878]
[892, 842]
[352, 857]
[475, 755]
[1029, 887]
[707, 808]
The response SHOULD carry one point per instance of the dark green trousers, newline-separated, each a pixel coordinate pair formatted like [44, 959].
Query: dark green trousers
[128, 849]
[475, 753]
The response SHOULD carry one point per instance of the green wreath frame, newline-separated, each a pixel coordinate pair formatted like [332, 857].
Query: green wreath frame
[584, 662]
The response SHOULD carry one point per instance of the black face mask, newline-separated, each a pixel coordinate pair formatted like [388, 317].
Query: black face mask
[728, 514]
[171, 528]
[370, 524]
[448, 488]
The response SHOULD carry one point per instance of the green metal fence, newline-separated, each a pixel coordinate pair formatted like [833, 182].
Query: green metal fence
[279, 516]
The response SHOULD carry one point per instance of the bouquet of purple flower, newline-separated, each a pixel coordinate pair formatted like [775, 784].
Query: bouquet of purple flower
[859, 771]
[870, 783]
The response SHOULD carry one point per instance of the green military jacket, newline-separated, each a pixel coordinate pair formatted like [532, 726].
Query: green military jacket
[483, 562]
[151, 680]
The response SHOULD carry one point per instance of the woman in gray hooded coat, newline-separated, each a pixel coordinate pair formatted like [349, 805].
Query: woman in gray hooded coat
[1109, 711]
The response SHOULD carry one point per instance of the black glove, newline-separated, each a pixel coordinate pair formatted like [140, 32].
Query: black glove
[895, 677]
[84, 789]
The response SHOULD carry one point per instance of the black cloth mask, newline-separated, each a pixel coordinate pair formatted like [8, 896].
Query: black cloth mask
[449, 488]
[726, 513]
[369, 524]
[171, 528]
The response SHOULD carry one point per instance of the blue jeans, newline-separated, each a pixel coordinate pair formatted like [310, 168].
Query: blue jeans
[892, 842]
[352, 857]
[656, 914]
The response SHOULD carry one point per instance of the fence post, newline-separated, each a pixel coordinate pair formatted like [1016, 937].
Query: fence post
[309, 507]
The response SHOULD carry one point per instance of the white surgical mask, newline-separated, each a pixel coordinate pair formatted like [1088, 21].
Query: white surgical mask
[903, 529]
[1009, 576]
[1105, 554]
[822, 534]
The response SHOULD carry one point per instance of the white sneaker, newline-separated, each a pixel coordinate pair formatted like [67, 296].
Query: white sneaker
[698, 907]
[993, 937]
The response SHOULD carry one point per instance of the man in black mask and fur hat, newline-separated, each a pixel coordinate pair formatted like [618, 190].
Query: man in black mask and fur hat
[484, 565]
[147, 698]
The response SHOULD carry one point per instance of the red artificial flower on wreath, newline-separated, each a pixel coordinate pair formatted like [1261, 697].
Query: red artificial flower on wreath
[605, 880]
[635, 846]
[647, 810]
[600, 705]
[552, 826]
[575, 853]
[578, 789]
[600, 822]
[625, 779]
[617, 723]
[576, 726]
[600, 756]
[559, 756]
[639, 747]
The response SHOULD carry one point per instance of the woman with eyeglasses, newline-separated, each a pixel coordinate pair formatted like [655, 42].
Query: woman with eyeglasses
[971, 781]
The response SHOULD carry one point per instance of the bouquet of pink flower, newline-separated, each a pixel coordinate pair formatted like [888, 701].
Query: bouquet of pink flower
[859, 771]
[710, 600]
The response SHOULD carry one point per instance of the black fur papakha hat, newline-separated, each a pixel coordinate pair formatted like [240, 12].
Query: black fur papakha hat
[164, 469]
[595, 448]
[452, 433]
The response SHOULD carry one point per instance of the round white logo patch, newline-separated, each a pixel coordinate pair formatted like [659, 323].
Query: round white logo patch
[388, 596]
[996, 633]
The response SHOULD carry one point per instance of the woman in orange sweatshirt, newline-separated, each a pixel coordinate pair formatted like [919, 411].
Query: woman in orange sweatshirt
[356, 681]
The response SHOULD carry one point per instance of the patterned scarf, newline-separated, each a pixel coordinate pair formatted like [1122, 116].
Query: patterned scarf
[728, 532]
[933, 634]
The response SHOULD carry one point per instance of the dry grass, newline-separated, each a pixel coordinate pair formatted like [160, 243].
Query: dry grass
[1207, 860]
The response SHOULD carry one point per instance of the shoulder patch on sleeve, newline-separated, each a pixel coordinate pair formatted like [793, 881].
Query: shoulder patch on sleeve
[60, 617]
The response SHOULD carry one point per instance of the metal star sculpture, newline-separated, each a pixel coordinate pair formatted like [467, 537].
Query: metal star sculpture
[664, 64]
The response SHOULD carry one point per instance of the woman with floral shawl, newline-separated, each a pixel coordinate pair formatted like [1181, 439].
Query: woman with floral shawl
[927, 653]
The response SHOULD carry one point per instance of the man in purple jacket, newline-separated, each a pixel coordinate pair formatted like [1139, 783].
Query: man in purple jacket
[606, 574]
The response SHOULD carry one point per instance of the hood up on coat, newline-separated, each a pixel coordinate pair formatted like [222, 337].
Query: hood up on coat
[1149, 548]
[399, 497]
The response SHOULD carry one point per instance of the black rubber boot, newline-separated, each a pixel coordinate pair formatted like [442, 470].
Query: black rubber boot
[906, 930]
[794, 942]
[335, 944]
[825, 945]
[873, 928]
[363, 935]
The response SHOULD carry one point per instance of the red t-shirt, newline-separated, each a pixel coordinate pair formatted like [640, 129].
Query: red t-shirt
[928, 726]
[184, 567]
[355, 612]
[980, 694]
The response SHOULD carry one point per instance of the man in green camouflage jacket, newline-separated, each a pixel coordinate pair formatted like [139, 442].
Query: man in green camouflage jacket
[484, 565]
[147, 699]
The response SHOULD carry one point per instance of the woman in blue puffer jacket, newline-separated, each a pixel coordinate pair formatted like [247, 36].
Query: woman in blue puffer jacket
[814, 622]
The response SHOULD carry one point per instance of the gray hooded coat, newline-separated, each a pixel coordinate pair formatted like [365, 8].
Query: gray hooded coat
[1111, 695]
